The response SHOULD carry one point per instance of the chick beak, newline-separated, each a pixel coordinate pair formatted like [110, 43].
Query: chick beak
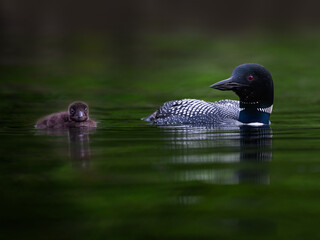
[80, 114]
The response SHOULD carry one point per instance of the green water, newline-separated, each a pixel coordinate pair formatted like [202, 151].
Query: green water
[131, 180]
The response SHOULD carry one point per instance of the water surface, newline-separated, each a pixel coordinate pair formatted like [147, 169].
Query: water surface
[131, 180]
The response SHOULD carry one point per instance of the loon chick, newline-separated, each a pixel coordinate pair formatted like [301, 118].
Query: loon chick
[76, 116]
[251, 82]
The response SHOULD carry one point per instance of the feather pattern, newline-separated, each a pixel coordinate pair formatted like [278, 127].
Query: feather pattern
[193, 111]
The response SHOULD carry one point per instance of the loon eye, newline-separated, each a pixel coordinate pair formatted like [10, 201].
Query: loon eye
[72, 111]
[86, 109]
[250, 78]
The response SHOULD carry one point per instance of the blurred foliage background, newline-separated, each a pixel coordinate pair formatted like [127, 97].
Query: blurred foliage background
[143, 52]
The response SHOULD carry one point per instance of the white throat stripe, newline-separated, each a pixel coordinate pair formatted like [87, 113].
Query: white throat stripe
[265, 110]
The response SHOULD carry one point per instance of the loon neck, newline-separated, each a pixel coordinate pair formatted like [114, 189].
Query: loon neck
[251, 112]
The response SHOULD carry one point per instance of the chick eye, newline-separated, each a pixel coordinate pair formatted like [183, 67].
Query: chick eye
[72, 111]
[86, 109]
[250, 78]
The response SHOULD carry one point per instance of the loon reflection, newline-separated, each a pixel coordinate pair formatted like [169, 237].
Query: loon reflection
[222, 156]
[78, 143]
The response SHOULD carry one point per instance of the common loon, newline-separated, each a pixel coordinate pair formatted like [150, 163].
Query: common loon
[251, 82]
[77, 116]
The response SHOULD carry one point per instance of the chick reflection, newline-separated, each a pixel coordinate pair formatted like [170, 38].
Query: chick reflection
[78, 143]
[222, 156]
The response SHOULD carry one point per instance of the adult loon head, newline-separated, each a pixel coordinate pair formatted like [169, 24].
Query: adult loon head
[254, 86]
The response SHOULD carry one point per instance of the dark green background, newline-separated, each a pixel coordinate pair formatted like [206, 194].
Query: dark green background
[131, 180]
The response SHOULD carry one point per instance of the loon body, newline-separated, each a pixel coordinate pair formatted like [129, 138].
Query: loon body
[193, 111]
[251, 82]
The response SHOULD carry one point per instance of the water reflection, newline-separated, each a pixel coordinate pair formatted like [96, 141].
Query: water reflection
[78, 142]
[79, 145]
[222, 156]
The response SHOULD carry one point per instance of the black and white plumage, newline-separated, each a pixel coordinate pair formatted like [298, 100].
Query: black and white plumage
[193, 111]
[251, 82]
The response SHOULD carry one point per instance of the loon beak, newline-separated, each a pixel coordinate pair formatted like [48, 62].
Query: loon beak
[227, 84]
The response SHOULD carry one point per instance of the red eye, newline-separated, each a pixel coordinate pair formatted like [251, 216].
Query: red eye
[250, 77]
